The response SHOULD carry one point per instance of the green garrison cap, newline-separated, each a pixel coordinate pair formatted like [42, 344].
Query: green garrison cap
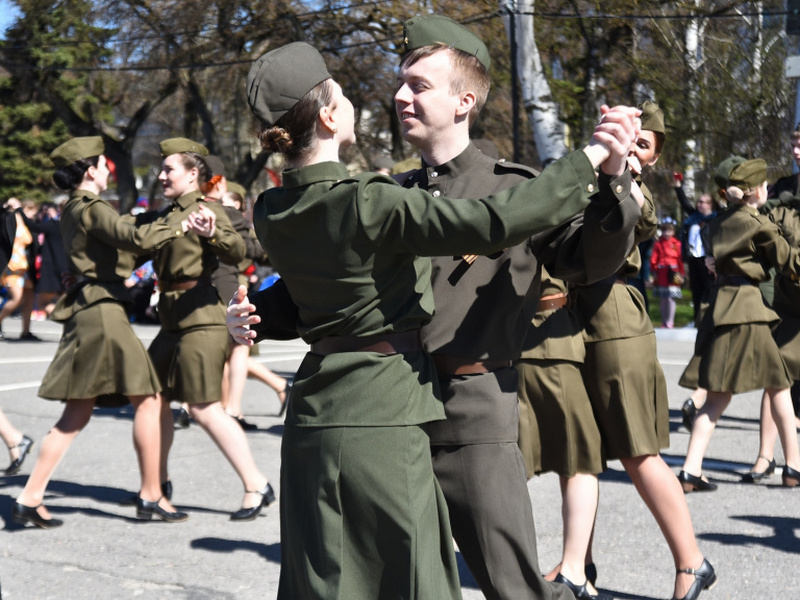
[77, 149]
[215, 164]
[748, 175]
[432, 29]
[281, 77]
[724, 168]
[176, 145]
[652, 117]
[237, 188]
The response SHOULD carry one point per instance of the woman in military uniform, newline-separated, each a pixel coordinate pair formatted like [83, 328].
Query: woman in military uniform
[558, 431]
[190, 348]
[627, 387]
[361, 513]
[739, 354]
[99, 360]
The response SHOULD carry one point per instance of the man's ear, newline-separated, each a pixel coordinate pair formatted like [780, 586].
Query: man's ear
[466, 104]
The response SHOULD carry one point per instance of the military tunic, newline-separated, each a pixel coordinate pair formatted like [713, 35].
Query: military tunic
[786, 300]
[99, 355]
[621, 371]
[737, 352]
[483, 311]
[361, 513]
[189, 350]
[227, 277]
[557, 429]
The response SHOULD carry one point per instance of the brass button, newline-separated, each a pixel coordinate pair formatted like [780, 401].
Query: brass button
[436, 194]
[618, 189]
[590, 188]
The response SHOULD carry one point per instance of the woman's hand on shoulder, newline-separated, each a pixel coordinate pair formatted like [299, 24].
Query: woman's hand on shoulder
[240, 315]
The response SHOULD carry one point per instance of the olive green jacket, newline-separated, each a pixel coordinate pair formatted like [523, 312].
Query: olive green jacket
[101, 247]
[193, 257]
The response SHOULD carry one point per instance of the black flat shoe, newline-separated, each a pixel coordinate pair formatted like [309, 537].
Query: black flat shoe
[182, 420]
[29, 514]
[24, 447]
[248, 514]
[579, 591]
[755, 476]
[689, 411]
[693, 483]
[246, 426]
[285, 404]
[145, 510]
[704, 579]
[790, 477]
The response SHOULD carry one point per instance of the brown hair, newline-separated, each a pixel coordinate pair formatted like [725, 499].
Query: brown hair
[293, 134]
[467, 75]
[193, 160]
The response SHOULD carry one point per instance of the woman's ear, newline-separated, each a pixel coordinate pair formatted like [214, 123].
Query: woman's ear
[327, 119]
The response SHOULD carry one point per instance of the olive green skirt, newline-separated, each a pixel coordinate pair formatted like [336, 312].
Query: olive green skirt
[363, 517]
[737, 359]
[787, 336]
[557, 428]
[628, 391]
[99, 356]
[190, 362]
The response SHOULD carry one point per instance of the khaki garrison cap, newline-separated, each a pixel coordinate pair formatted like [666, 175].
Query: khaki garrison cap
[215, 165]
[652, 117]
[176, 145]
[77, 149]
[432, 29]
[281, 77]
[237, 188]
[724, 170]
[748, 175]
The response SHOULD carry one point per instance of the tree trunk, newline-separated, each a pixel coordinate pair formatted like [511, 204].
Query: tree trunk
[537, 99]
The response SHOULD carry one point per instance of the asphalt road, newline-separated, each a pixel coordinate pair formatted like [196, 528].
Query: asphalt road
[749, 532]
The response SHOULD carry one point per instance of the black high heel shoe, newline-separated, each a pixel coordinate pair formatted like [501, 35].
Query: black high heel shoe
[591, 573]
[755, 476]
[24, 446]
[248, 514]
[790, 477]
[285, 404]
[693, 483]
[579, 591]
[689, 412]
[146, 509]
[29, 514]
[704, 579]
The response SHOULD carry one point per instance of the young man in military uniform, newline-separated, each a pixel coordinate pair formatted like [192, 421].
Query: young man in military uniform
[484, 305]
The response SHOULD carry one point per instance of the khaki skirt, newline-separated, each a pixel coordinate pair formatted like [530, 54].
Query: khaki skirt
[99, 356]
[737, 359]
[628, 391]
[787, 336]
[557, 428]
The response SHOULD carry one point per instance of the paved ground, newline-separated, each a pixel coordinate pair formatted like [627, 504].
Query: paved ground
[750, 533]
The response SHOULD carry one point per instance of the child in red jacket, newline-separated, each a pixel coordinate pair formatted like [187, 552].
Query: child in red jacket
[668, 271]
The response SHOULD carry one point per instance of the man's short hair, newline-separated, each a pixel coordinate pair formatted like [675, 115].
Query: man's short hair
[467, 74]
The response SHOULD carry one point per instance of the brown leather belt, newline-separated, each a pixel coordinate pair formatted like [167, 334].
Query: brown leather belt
[388, 343]
[612, 280]
[179, 286]
[456, 365]
[552, 303]
[735, 280]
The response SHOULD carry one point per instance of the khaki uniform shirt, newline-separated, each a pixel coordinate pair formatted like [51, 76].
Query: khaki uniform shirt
[193, 257]
[101, 247]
